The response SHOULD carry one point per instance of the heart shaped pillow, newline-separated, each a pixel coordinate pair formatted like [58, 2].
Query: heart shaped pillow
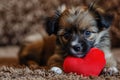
[90, 65]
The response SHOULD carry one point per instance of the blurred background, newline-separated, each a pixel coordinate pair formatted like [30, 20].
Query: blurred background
[19, 18]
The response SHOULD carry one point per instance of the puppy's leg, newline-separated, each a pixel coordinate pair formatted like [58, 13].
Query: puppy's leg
[30, 54]
[111, 64]
[23, 60]
[103, 42]
[55, 63]
[32, 64]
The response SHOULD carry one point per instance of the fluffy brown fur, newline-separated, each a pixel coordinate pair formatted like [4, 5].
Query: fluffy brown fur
[36, 49]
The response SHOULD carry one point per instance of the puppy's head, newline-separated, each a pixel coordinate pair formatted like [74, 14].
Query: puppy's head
[77, 28]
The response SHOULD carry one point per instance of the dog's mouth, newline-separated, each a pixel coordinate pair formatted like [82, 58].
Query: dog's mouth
[79, 52]
[79, 55]
[76, 53]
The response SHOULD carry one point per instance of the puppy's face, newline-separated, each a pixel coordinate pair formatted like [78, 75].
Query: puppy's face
[77, 29]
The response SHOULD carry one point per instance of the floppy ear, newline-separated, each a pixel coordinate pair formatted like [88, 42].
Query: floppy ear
[52, 24]
[103, 20]
[106, 20]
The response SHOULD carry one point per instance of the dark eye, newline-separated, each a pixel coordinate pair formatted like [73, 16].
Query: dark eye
[87, 33]
[67, 36]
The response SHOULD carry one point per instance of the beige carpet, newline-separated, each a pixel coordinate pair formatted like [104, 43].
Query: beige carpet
[13, 73]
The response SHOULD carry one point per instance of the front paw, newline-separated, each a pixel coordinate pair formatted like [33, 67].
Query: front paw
[110, 70]
[56, 70]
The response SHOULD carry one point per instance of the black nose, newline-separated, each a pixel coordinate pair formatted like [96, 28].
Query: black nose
[77, 48]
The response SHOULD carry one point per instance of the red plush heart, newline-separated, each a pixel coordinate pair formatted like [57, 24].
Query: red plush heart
[91, 65]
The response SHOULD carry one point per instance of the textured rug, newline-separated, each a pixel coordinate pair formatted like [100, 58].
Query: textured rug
[25, 73]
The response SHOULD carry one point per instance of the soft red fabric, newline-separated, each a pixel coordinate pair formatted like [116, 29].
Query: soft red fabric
[91, 65]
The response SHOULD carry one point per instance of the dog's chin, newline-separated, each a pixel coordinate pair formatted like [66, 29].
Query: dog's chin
[77, 54]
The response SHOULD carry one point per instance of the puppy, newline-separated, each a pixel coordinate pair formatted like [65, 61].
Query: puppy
[77, 30]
